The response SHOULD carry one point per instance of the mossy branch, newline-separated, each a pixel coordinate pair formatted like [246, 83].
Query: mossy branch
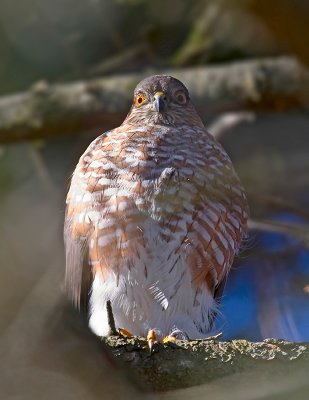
[187, 363]
[51, 110]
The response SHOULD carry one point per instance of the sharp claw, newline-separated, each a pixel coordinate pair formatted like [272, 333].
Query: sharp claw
[151, 346]
[124, 332]
[169, 339]
[151, 339]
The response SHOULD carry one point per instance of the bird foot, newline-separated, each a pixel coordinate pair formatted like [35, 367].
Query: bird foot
[178, 334]
[124, 332]
[168, 339]
[151, 340]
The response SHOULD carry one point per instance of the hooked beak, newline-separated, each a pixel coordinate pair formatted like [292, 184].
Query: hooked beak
[159, 102]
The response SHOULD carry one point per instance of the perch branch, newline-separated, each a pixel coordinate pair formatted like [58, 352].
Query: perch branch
[188, 363]
[50, 110]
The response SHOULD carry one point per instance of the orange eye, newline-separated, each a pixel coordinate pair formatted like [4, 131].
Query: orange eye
[181, 97]
[139, 100]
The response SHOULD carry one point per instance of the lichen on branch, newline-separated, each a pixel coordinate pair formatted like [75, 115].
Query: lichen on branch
[187, 363]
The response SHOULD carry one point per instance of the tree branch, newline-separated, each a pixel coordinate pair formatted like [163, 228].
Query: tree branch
[276, 202]
[300, 232]
[51, 110]
[226, 122]
[188, 363]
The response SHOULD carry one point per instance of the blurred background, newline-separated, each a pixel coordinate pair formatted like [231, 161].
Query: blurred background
[45, 346]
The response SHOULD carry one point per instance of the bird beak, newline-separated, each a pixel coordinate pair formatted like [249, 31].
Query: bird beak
[159, 102]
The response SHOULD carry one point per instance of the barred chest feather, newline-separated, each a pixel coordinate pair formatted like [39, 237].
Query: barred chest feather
[162, 214]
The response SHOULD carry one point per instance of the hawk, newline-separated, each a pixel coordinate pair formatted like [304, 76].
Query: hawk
[155, 215]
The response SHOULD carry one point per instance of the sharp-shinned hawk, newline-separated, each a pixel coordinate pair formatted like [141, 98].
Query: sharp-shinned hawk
[155, 215]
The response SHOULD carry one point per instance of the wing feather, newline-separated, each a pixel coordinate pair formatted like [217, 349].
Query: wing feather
[78, 275]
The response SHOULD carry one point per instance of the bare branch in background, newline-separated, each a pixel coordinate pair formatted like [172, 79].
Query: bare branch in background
[276, 202]
[119, 59]
[53, 110]
[226, 122]
[41, 169]
[300, 232]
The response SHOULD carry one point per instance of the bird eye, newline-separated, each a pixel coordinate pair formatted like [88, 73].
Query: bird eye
[181, 97]
[139, 100]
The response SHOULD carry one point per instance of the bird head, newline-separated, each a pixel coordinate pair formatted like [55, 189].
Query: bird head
[162, 99]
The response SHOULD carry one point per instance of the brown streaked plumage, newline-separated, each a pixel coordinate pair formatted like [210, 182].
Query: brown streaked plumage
[155, 216]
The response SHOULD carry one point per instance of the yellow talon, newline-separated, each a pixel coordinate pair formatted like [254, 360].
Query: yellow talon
[124, 332]
[168, 339]
[151, 339]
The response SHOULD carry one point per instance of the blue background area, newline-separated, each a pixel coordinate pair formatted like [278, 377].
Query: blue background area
[265, 294]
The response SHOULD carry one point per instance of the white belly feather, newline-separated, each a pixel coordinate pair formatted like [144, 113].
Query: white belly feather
[156, 296]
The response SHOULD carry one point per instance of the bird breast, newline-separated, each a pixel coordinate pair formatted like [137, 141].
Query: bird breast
[138, 191]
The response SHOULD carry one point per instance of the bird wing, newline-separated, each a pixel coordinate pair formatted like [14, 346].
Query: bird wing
[78, 276]
[96, 228]
[79, 226]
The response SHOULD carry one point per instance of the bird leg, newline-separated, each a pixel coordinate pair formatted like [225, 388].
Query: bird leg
[111, 322]
[110, 318]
